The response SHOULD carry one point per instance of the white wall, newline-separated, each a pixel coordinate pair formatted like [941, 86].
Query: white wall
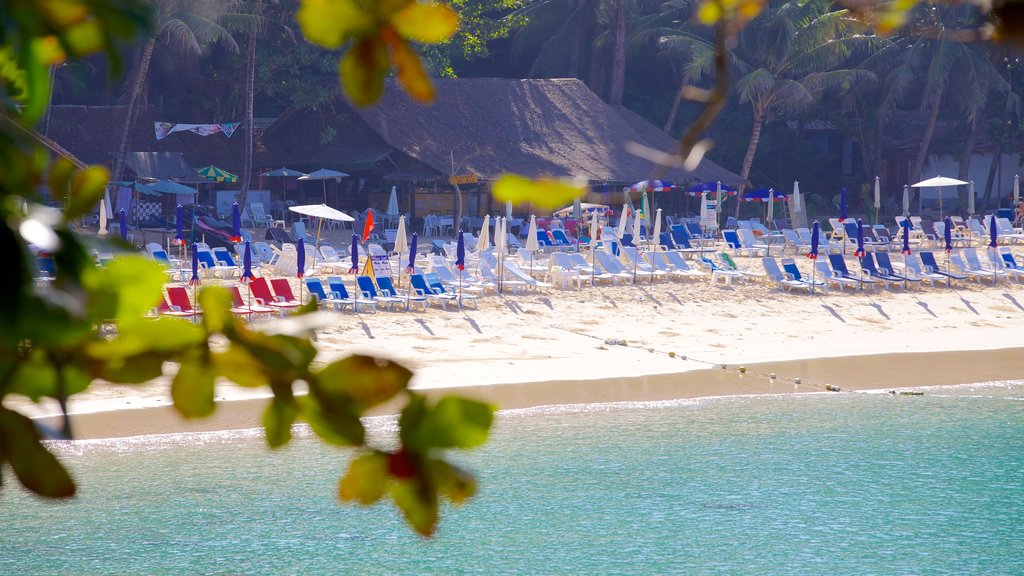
[980, 165]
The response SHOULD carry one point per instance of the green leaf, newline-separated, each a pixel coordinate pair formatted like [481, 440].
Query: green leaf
[277, 421]
[452, 482]
[86, 190]
[418, 503]
[428, 23]
[60, 175]
[411, 419]
[38, 377]
[284, 358]
[454, 423]
[362, 70]
[363, 380]
[166, 335]
[339, 428]
[411, 73]
[192, 389]
[215, 302]
[36, 468]
[135, 369]
[132, 282]
[330, 23]
[237, 365]
[366, 480]
[543, 193]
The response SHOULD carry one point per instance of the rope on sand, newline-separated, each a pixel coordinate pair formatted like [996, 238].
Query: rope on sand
[739, 370]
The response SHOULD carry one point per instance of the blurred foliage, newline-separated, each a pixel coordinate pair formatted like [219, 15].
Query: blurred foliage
[85, 323]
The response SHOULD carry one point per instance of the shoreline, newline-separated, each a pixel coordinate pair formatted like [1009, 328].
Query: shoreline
[848, 373]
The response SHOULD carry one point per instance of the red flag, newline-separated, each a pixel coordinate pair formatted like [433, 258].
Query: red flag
[368, 227]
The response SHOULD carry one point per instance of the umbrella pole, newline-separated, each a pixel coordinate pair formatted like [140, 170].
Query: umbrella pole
[905, 271]
[316, 245]
[813, 270]
[948, 278]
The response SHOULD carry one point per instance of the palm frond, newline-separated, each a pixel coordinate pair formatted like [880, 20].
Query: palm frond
[756, 86]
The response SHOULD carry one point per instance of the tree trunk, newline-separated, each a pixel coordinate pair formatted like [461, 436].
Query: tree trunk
[922, 154]
[575, 47]
[675, 107]
[748, 160]
[964, 170]
[250, 79]
[457, 222]
[997, 157]
[618, 80]
[138, 82]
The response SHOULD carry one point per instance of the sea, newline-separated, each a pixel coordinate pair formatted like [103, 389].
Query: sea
[812, 484]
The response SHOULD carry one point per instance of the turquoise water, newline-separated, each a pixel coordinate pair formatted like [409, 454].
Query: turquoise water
[820, 484]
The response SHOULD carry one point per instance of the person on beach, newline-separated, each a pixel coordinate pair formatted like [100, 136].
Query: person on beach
[1018, 217]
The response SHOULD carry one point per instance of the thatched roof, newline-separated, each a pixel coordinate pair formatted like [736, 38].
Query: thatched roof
[488, 126]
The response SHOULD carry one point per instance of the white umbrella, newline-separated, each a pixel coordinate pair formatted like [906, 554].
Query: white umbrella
[770, 215]
[637, 222]
[500, 243]
[508, 209]
[794, 202]
[878, 197]
[484, 241]
[939, 182]
[653, 243]
[321, 211]
[105, 213]
[623, 217]
[906, 200]
[324, 175]
[392, 210]
[400, 243]
[531, 239]
[1016, 189]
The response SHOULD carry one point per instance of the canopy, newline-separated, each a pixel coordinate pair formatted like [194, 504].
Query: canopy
[585, 208]
[163, 187]
[704, 187]
[284, 173]
[323, 174]
[213, 173]
[322, 211]
[762, 194]
[938, 182]
[651, 186]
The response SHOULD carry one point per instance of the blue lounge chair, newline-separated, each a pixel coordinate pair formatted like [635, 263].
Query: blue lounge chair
[341, 292]
[387, 288]
[369, 291]
[775, 274]
[434, 281]
[885, 266]
[931, 266]
[324, 299]
[867, 264]
[210, 265]
[561, 239]
[421, 288]
[793, 271]
[838, 263]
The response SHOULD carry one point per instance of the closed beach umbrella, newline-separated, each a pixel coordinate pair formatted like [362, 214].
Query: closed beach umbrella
[412, 253]
[906, 235]
[645, 209]
[813, 254]
[947, 234]
[860, 239]
[842, 204]
[1016, 189]
[794, 203]
[993, 233]
[500, 246]
[508, 209]
[653, 241]
[622, 221]
[300, 259]
[770, 214]
[179, 225]
[531, 235]
[354, 255]
[906, 200]
[400, 242]
[122, 221]
[104, 213]
[246, 264]
[392, 210]
[460, 252]
[593, 244]
[194, 280]
[484, 241]
[637, 222]
[577, 210]
[236, 223]
[878, 193]
[970, 198]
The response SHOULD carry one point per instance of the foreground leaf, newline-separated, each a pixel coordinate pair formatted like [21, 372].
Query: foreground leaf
[455, 423]
[36, 468]
[543, 193]
[366, 480]
[362, 70]
[192, 389]
[418, 503]
[363, 380]
[426, 22]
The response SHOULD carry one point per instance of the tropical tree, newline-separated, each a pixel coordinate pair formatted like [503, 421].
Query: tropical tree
[184, 25]
[785, 58]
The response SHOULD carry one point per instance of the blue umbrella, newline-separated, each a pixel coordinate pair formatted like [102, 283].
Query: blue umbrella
[236, 223]
[906, 236]
[247, 264]
[460, 252]
[194, 281]
[179, 225]
[123, 222]
[842, 204]
[355, 255]
[993, 233]
[412, 254]
[860, 239]
[815, 232]
[947, 234]
[300, 259]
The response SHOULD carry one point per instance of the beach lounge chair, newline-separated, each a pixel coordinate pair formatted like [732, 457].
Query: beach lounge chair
[831, 277]
[793, 271]
[932, 267]
[867, 265]
[660, 261]
[634, 259]
[223, 257]
[325, 299]
[735, 243]
[340, 291]
[885, 266]
[976, 269]
[252, 309]
[838, 263]
[512, 269]
[368, 289]
[917, 269]
[561, 239]
[387, 288]
[180, 303]
[685, 240]
[165, 309]
[1007, 232]
[421, 288]
[435, 283]
[679, 264]
[729, 264]
[720, 272]
[211, 268]
[611, 266]
[261, 291]
[283, 290]
[783, 280]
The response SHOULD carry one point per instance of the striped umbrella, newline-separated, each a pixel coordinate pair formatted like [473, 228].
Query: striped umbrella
[216, 174]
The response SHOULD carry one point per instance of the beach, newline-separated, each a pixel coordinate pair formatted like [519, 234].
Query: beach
[650, 341]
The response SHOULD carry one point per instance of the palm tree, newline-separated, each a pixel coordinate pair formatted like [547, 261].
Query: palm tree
[185, 25]
[792, 53]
